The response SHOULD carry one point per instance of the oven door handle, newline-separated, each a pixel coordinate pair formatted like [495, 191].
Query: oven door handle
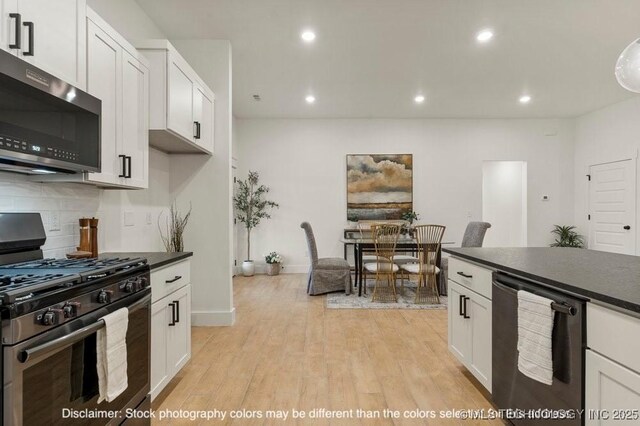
[26, 355]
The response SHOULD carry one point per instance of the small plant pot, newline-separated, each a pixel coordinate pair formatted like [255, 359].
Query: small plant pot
[248, 268]
[273, 269]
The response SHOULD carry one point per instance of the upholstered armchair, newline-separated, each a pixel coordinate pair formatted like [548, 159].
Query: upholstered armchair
[473, 237]
[327, 274]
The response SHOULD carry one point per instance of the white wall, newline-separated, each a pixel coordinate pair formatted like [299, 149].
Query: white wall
[205, 182]
[609, 134]
[303, 161]
[504, 203]
[127, 17]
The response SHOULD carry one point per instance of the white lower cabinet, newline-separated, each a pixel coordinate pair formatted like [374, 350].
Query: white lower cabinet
[170, 325]
[470, 330]
[612, 372]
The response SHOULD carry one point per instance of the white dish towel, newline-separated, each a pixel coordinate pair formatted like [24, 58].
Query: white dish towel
[535, 329]
[111, 351]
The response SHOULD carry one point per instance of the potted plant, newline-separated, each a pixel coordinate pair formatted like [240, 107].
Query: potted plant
[175, 225]
[251, 207]
[566, 236]
[274, 263]
[409, 217]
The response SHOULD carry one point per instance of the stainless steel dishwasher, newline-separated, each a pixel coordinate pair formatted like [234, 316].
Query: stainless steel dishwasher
[527, 401]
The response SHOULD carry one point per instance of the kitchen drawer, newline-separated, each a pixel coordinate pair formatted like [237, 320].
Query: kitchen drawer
[170, 278]
[471, 276]
[614, 335]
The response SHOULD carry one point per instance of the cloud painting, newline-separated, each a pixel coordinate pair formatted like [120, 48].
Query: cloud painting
[379, 187]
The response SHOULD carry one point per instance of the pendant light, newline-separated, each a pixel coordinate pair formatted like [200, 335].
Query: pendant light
[628, 67]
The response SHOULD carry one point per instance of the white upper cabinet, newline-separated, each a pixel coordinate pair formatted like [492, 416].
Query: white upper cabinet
[182, 106]
[48, 34]
[135, 121]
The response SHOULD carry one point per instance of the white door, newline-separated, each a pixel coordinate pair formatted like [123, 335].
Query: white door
[203, 117]
[180, 110]
[104, 73]
[135, 126]
[160, 320]
[8, 25]
[612, 207]
[179, 341]
[480, 312]
[610, 389]
[56, 40]
[459, 326]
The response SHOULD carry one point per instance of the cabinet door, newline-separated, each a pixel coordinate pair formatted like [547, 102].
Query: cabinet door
[104, 81]
[59, 29]
[160, 320]
[459, 326]
[611, 390]
[179, 349]
[203, 116]
[135, 120]
[8, 25]
[479, 309]
[180, 99]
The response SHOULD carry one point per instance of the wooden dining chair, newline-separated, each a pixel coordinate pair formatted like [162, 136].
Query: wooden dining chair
[429, 240]
[385, 238]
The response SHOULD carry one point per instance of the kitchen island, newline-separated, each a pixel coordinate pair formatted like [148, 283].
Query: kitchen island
[595, 336]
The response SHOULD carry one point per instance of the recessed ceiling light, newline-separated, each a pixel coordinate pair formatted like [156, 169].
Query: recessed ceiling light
[308, 36]
[525, 99]
[310, 99]
[419, 99]
[484, 36]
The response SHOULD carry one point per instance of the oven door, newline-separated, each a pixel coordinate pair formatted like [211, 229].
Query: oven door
[56, 370]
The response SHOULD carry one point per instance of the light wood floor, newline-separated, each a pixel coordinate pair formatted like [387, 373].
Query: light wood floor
[288, 351]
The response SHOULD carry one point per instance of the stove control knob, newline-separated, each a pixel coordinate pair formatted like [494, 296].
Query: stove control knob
[71, 309]
[104, 296]
[50, 317]
[130, 287]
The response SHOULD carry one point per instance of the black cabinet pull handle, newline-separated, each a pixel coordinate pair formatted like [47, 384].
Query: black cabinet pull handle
[627, 227]
[465, 307]
[464, 275]
[196, 125]
[124, 166]
[177, 303]
[128, 160]
[30, 26]
[18, 37]
[461, 305]
[173, 315]
[174, 279]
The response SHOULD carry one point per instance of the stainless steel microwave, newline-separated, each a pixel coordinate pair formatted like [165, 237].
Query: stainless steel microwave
[46, 124]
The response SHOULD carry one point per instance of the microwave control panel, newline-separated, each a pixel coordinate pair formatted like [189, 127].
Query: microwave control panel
[14, 144]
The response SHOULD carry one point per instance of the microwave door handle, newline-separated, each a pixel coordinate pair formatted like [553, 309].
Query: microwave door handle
[18, 35]
[26, 355]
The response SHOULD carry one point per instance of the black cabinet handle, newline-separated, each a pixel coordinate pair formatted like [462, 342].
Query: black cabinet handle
[196, 130]
[177, 304]
[124, 165]
[174, 279]
[128, 161]
[18, 37]
[464, 275]
[627, 227]
[173, 315]
[465, 307]
[30, 26]
[461, 305]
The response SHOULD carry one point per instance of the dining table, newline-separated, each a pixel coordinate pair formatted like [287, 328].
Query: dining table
[405, 244]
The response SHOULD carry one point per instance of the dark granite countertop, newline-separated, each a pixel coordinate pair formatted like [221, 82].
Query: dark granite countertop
[156, 259]
[595, 275]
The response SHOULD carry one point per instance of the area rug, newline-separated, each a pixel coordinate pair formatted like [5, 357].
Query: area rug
[405, 301]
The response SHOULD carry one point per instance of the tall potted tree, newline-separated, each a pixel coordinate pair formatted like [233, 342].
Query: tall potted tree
[251, 207]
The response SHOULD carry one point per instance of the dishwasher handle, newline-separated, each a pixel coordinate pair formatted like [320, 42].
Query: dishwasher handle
[560, 307]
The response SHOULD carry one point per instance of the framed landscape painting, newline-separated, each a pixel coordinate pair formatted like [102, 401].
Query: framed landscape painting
[379, 186]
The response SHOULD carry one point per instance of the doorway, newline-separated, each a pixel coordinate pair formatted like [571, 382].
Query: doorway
[504, 202]
[612, 207]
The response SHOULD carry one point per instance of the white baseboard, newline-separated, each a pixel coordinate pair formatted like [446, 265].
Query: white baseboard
[213, 318]
[288, 269]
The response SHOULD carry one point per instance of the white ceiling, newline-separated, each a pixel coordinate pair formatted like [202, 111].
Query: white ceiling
[371, 57]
